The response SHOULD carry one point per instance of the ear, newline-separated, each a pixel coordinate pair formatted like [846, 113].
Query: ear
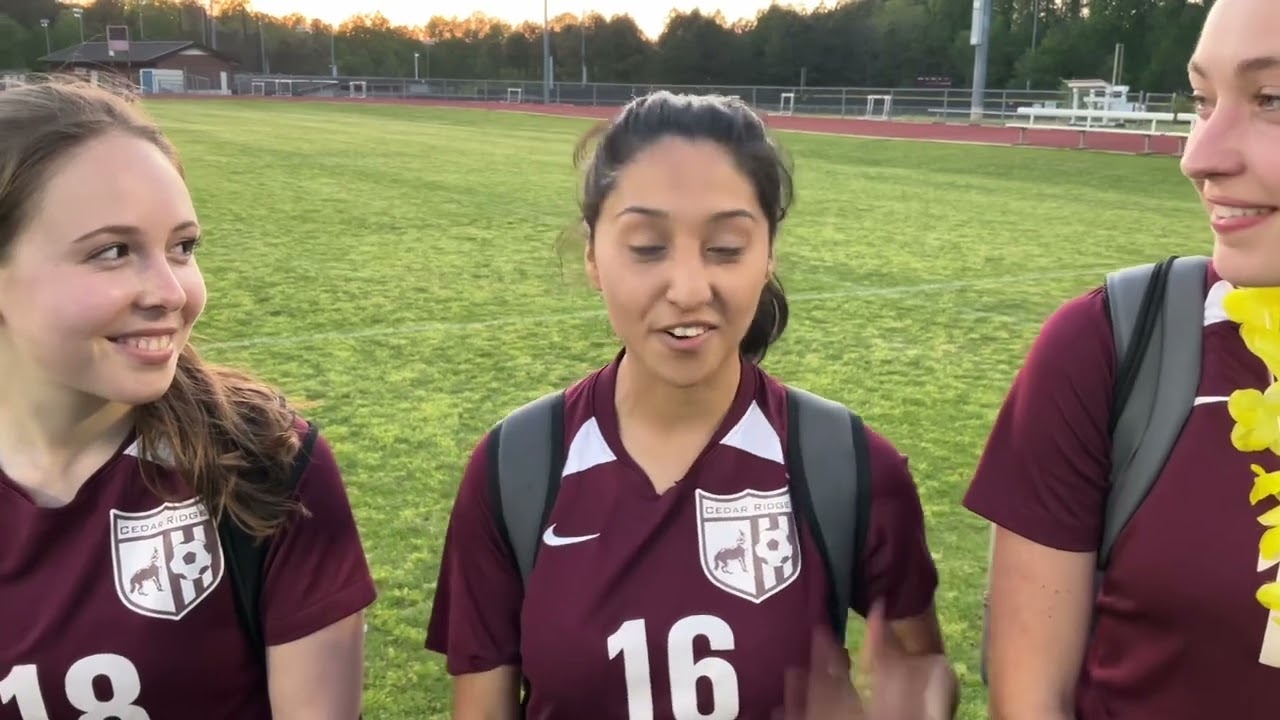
[589, 264]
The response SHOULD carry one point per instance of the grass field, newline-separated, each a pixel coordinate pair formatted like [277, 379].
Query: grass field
[397, 267]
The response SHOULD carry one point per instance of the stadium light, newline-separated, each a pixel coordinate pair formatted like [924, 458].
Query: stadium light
[546, 55]
[980, 39]
[1035, 30]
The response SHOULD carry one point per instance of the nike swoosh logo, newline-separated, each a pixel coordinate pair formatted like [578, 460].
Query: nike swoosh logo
[1206, 399]
[551, 538]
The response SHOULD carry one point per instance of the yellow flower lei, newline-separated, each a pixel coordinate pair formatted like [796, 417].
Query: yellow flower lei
[1257, 414]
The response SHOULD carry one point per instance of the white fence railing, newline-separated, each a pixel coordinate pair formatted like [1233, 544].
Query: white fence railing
[923, 102]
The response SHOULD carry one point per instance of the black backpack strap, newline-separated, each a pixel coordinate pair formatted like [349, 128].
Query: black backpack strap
[1157, 319]
[526, 456]
[245, 555]
[830, 471]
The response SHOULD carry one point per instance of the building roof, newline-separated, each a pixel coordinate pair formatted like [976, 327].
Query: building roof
[143, 51]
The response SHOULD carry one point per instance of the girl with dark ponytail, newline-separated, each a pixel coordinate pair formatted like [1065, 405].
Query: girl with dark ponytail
[673, 535]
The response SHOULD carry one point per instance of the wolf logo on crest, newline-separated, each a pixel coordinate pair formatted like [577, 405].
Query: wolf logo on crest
[166, 560]
[747, 542]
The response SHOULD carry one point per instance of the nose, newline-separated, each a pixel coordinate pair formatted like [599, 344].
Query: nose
[689, 286]
[159, 287]
[1215, 147]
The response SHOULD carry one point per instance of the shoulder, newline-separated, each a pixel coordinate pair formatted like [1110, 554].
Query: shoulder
[897, 564]
[1069, 370]
[1043, 473]
[574, 405]
[888, 465]
[1076, 341]
[316, 571]
[320, 472]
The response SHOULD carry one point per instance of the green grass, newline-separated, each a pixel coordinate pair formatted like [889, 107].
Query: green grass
[397, 266]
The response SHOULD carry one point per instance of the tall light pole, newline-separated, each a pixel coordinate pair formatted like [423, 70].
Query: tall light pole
[213, 25]
[262, 47]
[333, 51]
[1035, 30]
[980, 39]
[44, 23]
[583, 23]
[546, 55]
[79, 13]
[415, 66]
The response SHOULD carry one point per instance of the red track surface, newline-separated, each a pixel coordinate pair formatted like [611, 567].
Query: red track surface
[930, 131]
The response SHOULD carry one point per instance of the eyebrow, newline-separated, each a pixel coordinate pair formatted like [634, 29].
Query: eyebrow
[717, 216]
[132, 231]
[1244, 67]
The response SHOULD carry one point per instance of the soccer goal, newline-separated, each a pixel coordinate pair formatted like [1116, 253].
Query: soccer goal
[359, 89]
[514, 95]
[885, 103]
[268, 87]
[787, 103]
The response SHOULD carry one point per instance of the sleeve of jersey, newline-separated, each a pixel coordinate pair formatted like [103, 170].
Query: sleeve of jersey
[899, 569]
[316, 571]
[475, 615]
[1044, 471]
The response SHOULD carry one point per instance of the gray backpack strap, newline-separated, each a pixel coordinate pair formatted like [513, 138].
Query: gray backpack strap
[830, 471]
[1157, 319]
[1157, 322]
[526, 456]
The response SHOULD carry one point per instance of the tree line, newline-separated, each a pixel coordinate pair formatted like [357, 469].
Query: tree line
[852, 43]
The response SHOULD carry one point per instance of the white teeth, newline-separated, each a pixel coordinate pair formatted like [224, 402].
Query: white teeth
[1225, 212]
[150, 343]
[687, 331]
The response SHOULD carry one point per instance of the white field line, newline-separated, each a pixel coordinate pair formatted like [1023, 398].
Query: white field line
[439, 327]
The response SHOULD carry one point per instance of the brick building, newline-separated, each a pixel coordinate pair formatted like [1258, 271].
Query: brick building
[154, 65]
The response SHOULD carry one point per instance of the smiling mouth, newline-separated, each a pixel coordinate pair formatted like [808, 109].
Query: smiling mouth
[148, 343]
[1227, 212]
[685, 332]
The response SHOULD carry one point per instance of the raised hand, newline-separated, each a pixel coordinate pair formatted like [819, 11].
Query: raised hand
[905, 687]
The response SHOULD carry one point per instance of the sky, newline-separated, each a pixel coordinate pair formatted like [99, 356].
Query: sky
[650, 15]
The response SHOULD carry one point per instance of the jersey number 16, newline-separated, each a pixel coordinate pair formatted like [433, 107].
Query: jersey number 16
[632, 643]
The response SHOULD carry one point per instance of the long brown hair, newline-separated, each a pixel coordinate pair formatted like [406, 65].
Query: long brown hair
[231, 437]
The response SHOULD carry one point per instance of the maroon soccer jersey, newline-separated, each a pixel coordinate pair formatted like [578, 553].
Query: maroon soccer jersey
[120, 606]
[1179, 631]
[690, 603]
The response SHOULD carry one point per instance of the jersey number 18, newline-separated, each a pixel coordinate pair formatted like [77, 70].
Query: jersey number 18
[23, 685]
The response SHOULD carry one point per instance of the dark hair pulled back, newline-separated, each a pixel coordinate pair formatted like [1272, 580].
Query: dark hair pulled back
[726, 121]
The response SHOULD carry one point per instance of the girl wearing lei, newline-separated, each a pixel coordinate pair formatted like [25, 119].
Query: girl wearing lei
[1185, 623]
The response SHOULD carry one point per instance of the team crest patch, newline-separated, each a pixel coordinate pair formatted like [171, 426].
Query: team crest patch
[747, 542]
[167, 560]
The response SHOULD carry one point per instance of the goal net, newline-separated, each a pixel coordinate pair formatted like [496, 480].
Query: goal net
[787, 103]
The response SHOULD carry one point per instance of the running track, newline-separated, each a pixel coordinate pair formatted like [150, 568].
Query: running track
[885, 129]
